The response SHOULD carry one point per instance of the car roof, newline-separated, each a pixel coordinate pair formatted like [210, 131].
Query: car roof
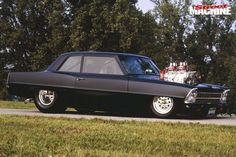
[102, 53]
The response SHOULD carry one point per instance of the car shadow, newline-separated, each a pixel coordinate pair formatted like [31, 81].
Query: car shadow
[135, 115]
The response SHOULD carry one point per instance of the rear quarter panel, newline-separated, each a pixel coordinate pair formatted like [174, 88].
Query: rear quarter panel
[24, 83]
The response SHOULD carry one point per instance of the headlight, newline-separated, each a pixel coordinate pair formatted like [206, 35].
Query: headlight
[191, 97]
[223, 98]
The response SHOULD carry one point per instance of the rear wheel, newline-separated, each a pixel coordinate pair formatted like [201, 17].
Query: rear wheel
[48, 101]
[162, 106]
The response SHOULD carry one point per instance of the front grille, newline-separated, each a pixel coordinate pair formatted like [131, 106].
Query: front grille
[208, 98]
[208, 95]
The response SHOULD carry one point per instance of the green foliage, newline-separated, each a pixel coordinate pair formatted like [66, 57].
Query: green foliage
[16, 105]
[36, 32]
[38, 136]
[33, 33]
[110, 26]
[181, 37]
[172, 24]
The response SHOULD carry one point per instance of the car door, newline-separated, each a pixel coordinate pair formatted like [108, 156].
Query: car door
[101, 75]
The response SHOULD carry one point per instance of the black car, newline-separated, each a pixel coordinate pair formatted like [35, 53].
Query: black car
[113, 82]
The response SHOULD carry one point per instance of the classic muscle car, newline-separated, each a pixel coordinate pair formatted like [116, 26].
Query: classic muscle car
[113, 81]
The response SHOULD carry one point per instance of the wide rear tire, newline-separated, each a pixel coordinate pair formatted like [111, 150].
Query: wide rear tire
[48, 101]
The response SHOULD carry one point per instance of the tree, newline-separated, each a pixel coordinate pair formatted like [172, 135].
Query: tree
[172, 24]
[205, 44]
[56, 34]
[111, 26]
[32, 34]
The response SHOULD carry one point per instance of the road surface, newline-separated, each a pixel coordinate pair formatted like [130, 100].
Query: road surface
[219, 120]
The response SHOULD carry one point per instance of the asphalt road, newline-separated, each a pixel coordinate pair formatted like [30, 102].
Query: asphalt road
[219, 120]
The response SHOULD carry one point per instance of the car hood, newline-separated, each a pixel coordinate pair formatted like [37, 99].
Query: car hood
[155, 79]
[210, 87]
[202, 87]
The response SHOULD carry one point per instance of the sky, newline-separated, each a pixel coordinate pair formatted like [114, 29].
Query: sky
[146, 5]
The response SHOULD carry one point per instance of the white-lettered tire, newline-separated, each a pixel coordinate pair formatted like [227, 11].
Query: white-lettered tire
[48, 101]
[162, 106]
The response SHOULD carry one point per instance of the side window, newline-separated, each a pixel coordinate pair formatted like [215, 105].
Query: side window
[101, 65]
[72, 64]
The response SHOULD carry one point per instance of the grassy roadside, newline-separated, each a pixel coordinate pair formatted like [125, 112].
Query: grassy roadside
[21, 105]
[40, 136]
[16, 105]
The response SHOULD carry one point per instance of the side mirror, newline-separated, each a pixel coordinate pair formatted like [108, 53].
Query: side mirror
[148, 71]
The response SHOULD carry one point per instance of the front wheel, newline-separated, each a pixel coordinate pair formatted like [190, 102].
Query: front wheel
[162, 106]
[48, 101]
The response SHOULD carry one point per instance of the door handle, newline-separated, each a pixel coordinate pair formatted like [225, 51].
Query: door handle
[80, 79]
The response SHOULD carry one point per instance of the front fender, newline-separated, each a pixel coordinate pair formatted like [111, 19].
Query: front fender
[158, 88]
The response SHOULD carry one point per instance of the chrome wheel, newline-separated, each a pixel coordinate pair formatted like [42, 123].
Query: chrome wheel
[49, 101]
[46, 97]
[163, 105]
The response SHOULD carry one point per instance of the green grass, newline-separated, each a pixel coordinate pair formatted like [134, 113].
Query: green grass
[16, 105]
[40, 136]
[21, 105]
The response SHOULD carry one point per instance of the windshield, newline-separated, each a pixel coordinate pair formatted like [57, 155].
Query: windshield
[139, 65]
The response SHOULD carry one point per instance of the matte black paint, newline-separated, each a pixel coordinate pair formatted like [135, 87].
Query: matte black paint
[81, 86]
[94, 82]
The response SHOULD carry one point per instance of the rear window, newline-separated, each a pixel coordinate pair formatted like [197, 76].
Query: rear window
[72, 64]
